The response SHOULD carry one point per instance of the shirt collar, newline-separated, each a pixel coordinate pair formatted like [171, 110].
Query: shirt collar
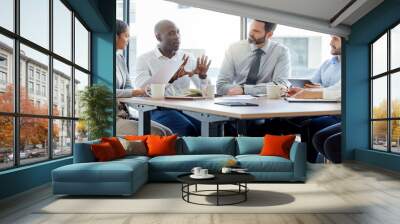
[253, 47]
[335, 59]
[158, 53]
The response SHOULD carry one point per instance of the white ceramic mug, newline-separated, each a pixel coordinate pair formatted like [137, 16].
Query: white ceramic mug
[156, 91]
[226, 170]
[196, 171]
[209, 91]
[203, 172]
[273, 91]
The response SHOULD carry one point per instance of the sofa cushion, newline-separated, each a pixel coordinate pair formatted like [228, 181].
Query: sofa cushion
[277, 145]
[249, 145]
[208, 145]
[112, 171]
[185, 163]
[103, 152]
[257, 163]
[83, 152]
[161, 145]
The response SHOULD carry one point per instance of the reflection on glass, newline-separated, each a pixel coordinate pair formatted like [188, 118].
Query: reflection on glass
[379, 55]
[379, 135]
[81, 45]
[395, 136]
[6, 74]
[35, 21]
[81, 131]
[120, 9]
[395, 47]
[62, 138]
[62, 29]
[81, 81]
[34, 96]
[62, 89]
[379, 98]
[33, 140]
[395, 94]
[7, 14]
[6, 142]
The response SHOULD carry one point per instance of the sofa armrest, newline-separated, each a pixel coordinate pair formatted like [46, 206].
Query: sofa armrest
[298, 155]
[83, 152]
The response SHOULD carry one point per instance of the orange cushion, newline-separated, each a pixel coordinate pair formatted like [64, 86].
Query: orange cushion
[136, 137]
[116, 145]
[103, 152]
[277, 145]
[161, 145]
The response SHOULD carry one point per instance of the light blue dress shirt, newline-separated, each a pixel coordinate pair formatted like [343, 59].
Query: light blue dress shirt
[329, 73]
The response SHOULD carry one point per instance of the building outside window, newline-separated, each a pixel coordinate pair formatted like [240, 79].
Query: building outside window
[54, 133]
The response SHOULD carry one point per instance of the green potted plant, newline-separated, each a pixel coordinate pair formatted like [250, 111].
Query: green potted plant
[96, 103]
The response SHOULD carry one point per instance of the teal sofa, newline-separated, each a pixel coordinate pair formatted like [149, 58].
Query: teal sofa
[125, 176]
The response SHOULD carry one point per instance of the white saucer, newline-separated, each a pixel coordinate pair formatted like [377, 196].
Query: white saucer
[208, 176]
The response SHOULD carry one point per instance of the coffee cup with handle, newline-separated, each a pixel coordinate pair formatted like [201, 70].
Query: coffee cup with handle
[196, 171]
[156, 91]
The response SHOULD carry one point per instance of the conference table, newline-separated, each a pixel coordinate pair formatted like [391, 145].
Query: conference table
[212, 115]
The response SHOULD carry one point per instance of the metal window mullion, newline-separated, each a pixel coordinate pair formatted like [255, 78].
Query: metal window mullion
[73, 82]
[16, 84]
[371, 143]
[389, 100]
[50, 81]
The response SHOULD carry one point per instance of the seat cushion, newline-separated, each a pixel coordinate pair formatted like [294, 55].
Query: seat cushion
[185, 163]
[257, 163]
[112, 171]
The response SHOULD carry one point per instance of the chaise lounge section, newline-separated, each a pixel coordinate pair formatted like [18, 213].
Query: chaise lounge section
[125, 176]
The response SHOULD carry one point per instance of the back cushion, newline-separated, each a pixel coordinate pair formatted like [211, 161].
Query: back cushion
[208, 145]
[83, 152]
[249, 145]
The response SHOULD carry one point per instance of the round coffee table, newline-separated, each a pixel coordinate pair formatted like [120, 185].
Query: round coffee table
[238, 179]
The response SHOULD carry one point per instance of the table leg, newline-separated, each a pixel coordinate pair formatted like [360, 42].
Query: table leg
[209, 122]
[144, 123]
[242, 127]
[217, 194]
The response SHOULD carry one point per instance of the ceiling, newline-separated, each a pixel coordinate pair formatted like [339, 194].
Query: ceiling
[327, 16]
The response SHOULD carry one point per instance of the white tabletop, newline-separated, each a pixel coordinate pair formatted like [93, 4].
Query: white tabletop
[267, 108]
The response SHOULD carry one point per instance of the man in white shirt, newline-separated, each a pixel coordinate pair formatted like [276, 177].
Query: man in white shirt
[167, 51]
[327, 79]
[254, 61]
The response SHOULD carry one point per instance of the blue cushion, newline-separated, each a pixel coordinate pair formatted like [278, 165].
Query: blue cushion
[111, 171]
[208, 145]
[185, 163]
[83, 153]
[257, 163]
[249, 145]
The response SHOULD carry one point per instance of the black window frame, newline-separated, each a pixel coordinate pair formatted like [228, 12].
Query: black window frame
[16, 115]
[388, 74]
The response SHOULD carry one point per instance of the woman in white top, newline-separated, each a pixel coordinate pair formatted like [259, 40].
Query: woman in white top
[124, 86]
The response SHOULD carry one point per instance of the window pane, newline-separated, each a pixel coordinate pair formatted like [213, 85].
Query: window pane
[81, 131]
[62, 138]
[81, 81]
[395, 94]
[34, 97]
[6, 142]
[379, 135]
[379, 55]
[120, 9]
[395, 47]
[6, 74]
[33, 139]
[193, 38]
[35, 21]
[62, 29]
[379, 98]
[7, 14]
[395, 136]
[81, 45]
[62, 89]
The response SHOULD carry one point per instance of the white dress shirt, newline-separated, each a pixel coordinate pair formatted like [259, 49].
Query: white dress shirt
[329, 73]
[151, 62]
[274, 65]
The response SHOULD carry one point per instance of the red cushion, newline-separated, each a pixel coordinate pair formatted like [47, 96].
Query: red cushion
[103, 152]
[116, 145]
[161, 145]
[277, 145]
[136, 137]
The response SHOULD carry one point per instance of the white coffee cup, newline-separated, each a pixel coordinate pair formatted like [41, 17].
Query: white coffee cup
[273, 91]
[156, 91]
[196, 171]
[209, 91]
[226, 170]
[203, 172]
